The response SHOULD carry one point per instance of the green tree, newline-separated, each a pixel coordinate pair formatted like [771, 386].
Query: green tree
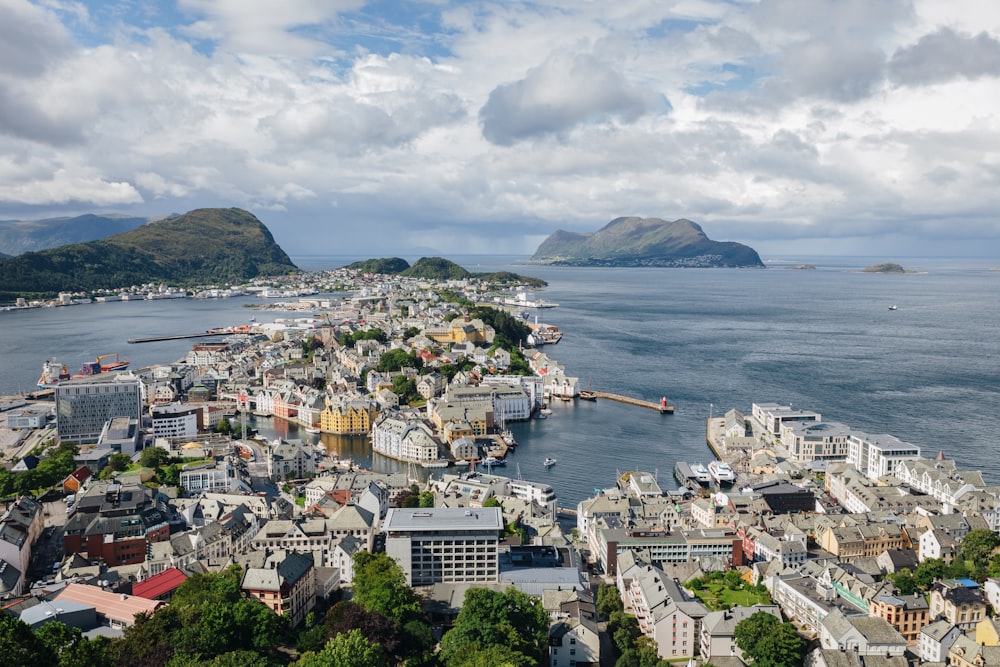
[20, 646]
[153, 457]
[905, 581]
[350, 649]
[426, 499]
[118, 462]
[380, 585]
[768, 642]
[490, 618]
[394, 360]
[977, 548]
[609, 600]
[927, 571]
[224, 427]
[492, 502]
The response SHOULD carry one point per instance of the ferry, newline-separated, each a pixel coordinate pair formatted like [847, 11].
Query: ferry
[721, 472]
[691, 474]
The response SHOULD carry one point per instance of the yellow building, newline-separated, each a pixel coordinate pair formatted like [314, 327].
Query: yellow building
[460, 330]
[988, 632]
[348, 417]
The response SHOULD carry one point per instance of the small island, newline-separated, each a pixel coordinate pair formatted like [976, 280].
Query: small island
[885, 267]
[802, 267]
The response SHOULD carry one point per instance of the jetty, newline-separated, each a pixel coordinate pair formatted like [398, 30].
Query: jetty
[220, 331]
[662, 407]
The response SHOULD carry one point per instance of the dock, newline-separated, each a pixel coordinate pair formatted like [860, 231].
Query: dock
[662, 407]
[221, 331]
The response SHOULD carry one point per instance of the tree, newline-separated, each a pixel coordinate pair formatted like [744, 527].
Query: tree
[929, 570]
[380, 585]
[153, 457]
[609, 600]
[769, 642]
[489, 618]
[224, 427]
[20, 646]
[905, 581]
[426, 499]
[349, 649]
[394, 360]
[118, 462]
[977, 548]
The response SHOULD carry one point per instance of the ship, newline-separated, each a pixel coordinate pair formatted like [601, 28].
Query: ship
[721, 472]
[54, 372]
[691, 475]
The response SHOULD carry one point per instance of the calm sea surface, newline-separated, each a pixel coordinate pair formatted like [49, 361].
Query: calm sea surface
[708, 339]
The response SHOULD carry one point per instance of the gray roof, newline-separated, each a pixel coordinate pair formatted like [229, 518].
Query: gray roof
[450, 518]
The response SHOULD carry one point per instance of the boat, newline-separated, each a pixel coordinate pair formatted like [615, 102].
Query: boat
[52, 374]
[701, 474]
[437, 463]
[549, 462]
[492, 462]
[589, 394]
[312, 429]
[721, 472]
[543, 415]
[893, 307]
[508, 438]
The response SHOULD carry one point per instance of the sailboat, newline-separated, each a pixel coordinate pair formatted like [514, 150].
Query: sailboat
[589, 394]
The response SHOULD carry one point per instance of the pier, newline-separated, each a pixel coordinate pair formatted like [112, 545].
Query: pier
[662, 407]
[156, 339]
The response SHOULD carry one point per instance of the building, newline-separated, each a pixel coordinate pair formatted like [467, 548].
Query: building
[935, 640]
[226, 475]
[875, 456]
[121, 434]
[84, 406]
[177, 421]
[445, 545]
[718, 630]
[908, 614]
[574, 638]
[117, 610]
[959, 602]
[290, 460]
[286, 584]
[20, 527]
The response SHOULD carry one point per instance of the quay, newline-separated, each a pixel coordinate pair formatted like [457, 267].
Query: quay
[662, 407]
[156, 339]
[715, 429]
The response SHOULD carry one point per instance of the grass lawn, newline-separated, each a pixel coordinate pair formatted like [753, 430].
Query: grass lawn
[716, 596]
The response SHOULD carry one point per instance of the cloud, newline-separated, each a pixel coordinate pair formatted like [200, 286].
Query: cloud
[563, 92]
[31, 39]
[66, 186]
[945, 55]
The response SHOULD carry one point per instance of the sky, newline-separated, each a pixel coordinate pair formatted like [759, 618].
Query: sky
[804, 127]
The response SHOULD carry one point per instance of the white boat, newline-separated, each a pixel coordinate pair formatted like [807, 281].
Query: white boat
[549, 462]
[492, 461]
[893, 307]
[437, 463]
[701, 474]
[312, 429]
[721, 472]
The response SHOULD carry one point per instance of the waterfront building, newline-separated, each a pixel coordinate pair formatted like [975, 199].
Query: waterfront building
[290, 460]
[84, 406]
[404, 439]
[810, 440]
[445, 545]
[347, 416]
[772, 417]
[875, 456]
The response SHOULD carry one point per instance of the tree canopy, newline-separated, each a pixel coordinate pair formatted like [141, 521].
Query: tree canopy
[767, 641]
[490, 619]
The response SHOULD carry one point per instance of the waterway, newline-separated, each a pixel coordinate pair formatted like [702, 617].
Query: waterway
[708, 339]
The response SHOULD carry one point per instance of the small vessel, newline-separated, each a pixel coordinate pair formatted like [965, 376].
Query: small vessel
[508, 438]
[543, 415]
[893, 307]
[492, 462]
[312, 429]
[721, 472]
[549, 462]
[436, 463]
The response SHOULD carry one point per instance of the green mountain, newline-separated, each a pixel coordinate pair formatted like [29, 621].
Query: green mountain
[204, 246]
[18, 236]
[436, 268]
[644, 242]
[385, 265]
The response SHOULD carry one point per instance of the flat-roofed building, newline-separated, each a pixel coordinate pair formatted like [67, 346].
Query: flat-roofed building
[445, 545]
[877, 455]
[84, 406]
[772, 416]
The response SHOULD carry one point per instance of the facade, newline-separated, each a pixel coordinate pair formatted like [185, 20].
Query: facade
[176, 421]
[286, 584]
[875, 456]
[445, 545]
[717, 638]
[815, 440]
[957, 603]
[222, 476]
[290, 460]
[908, 614]
[348, 417]
[83, 406]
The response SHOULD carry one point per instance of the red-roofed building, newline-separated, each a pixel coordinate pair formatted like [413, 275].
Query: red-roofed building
[160, 586]
[118, 610]
[77, 479]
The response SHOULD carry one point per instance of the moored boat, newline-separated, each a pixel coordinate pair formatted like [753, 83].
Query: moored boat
[492, 462]
[721, 472]
[701, 474]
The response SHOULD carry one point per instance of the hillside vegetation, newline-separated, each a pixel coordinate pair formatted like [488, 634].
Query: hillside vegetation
[634, 241]
[438, 268]
[204, 246]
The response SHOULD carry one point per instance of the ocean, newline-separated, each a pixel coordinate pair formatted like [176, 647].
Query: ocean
[707, 339]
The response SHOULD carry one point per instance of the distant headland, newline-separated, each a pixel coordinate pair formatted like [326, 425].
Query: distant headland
[885, 267]
[633, 241]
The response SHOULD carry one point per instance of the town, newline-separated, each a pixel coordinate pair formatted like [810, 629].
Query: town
[126, 486]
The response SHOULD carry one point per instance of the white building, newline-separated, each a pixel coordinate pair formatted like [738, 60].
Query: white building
[445, 545]
[875, 456]
[176, 421]
[83, 406]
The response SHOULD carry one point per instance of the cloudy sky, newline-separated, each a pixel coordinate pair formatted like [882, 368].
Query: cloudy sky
[397, 127]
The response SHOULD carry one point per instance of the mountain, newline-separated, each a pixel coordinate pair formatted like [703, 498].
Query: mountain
[436, 268]
[384, 265]
[18, 236]
[637, 241]
[204, 246]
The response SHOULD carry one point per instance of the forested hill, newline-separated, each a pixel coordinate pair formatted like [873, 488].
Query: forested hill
[644, 242]
[438, 268]
[204, 246]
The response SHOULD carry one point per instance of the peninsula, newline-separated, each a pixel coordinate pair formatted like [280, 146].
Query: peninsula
[634, 241]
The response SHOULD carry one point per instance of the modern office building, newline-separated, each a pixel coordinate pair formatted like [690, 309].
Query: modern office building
[445, 544]
[84, 406]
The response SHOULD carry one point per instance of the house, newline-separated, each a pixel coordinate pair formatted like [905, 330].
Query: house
[935, 641]
[77, 479]
[573, 635]
[717, 637]
[290, 460]
[965, 652]
[958, 601]
[20, 527]
[286, 584]
[863, 635]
